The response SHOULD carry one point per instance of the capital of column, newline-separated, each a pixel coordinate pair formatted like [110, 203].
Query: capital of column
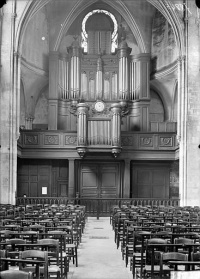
[116, 108]
[74, 51]
[82, 108]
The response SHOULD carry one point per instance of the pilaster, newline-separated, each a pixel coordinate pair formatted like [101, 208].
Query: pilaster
[71, 183]
[126, 190]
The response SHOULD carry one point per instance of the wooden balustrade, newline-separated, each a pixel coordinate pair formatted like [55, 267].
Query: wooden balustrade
[97, 206]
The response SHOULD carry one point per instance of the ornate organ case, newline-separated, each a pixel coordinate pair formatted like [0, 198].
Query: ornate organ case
[99, 94]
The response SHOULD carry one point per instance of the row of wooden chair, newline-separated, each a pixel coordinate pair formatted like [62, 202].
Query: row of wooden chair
[136, 227]
[35, 227]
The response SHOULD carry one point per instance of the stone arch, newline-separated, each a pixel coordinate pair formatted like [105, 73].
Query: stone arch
[121, 8]
[156, 109]
[165, 7]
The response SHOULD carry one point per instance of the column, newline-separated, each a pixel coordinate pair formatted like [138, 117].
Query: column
[182, 131]
[82, 110]
[9, 102]
[116, 129]
[53, 90]
[71, 184]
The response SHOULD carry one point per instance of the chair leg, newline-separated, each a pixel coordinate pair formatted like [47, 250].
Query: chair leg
[76, 255]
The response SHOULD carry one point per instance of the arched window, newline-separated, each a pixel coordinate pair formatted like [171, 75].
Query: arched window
[113, 24]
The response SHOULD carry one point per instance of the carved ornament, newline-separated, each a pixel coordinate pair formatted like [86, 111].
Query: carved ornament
[51, 140]
[127, 141]
[31, 139]
[146, 141]
[166, 141]
[70, 140]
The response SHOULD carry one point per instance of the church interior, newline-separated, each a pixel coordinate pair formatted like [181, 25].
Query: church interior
[100, 138]
[100, 100]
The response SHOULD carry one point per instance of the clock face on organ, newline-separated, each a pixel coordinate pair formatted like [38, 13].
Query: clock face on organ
[99, 106]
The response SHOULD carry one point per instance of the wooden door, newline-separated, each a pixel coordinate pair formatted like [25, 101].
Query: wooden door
[150, 180]
[99, 180]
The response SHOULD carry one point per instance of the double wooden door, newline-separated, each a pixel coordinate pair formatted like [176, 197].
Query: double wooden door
[99, 180]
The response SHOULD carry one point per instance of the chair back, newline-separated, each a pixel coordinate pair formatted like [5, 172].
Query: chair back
[36, 255]
[183, 240]
[195, 257]
[170, 256]
[173, 256]
[13, 274]
[53, 248]
[156, 251]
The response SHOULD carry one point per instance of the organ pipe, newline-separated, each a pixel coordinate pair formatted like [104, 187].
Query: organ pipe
[99, 79]
[75, 53]
[64, 77]
[123, 54]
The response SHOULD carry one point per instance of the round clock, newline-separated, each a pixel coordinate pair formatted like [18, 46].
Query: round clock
[99, 106]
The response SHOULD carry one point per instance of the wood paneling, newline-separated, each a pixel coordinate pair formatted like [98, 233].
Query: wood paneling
[150, 180]
[33, 175]
[99, 180]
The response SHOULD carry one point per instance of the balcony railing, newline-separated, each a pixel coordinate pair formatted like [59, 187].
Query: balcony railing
[56, 140]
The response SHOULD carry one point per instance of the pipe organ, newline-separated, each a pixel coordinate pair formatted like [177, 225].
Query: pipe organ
[123, 53]
[63, 73]
[119, 80]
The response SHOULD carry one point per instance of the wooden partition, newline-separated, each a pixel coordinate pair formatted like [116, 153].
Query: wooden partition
[42, 178]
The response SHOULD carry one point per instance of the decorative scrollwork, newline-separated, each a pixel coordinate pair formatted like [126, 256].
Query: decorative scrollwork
[166, 141]
[31, 139]
[51, 140]
[146, 141]
[127, 141]
[70, 140]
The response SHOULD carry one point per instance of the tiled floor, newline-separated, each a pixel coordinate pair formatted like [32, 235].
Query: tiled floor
[98, 257]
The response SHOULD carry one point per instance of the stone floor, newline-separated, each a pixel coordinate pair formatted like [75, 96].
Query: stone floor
[98, 257]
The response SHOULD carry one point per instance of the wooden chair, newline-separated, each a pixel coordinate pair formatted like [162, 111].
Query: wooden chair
[183, 240]
[37, 255]
[12, 251]
[14, 274]
[196, 258]
[2, 255]
[148, 268]
[71, 252]
[52, 248]
[169, 256]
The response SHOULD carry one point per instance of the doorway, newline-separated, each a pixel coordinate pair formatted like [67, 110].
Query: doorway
[99, 180]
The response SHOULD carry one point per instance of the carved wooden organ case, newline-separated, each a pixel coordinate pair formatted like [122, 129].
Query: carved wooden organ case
[99, 94]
